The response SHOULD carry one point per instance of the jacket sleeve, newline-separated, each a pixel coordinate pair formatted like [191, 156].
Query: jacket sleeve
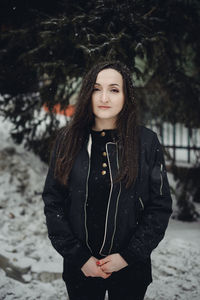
[154, 220]
[54, 196]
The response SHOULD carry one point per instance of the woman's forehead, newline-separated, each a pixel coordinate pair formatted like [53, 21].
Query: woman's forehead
[109, 77]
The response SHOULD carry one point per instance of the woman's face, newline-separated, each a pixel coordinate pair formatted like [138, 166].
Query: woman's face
[108, 95]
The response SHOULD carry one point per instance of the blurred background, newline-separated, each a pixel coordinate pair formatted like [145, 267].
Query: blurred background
[45, 50]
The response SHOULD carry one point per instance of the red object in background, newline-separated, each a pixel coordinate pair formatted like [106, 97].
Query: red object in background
[68, 112]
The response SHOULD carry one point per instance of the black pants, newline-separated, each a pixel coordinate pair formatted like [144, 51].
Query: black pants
[121, 285]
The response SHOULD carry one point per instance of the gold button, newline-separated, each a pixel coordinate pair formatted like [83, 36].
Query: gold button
[104, 154]
[104, 165]
[103, 172]
[103, 133]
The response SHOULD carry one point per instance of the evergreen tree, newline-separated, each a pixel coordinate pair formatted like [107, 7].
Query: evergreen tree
[45, 49]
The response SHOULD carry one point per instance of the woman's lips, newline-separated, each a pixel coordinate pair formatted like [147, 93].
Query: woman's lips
[103, 107]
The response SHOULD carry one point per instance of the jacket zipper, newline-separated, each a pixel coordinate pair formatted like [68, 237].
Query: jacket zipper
[86, 194]
[111, 188]
[141, 202]
[116, 207]
[161, 179]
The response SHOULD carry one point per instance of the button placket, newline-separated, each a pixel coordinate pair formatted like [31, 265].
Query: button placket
[104, 154]
[104, 165]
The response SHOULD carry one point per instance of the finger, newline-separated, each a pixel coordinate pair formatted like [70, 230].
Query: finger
[105, 276]
[103, 268]
[106, 267]
[103, 261]
[102, 274]
[108, 275]
[106, 270]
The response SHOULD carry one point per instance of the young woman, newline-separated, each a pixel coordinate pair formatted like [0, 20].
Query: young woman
[106, 195]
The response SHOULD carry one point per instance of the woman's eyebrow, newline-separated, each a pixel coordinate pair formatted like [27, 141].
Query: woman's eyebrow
[112, 84]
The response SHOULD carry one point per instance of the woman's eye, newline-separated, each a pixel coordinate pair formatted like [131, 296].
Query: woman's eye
[95, 89]
[114, 91]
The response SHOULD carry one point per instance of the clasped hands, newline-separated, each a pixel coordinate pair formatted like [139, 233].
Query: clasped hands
[103, 267]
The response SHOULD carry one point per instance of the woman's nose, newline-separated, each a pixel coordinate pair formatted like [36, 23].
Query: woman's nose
[104, 97]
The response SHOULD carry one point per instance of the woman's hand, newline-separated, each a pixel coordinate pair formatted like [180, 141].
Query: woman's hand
[112, 263]
[90, 268]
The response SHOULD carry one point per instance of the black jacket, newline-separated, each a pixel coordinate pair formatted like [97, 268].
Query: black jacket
[137, 217]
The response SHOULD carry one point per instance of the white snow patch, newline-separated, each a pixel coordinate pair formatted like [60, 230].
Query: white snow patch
[31, 268]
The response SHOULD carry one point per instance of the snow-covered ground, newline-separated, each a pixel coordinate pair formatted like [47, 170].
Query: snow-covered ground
[29, 266]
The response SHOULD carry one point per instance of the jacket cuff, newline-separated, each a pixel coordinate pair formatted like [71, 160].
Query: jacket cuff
[81, 258]
[128, 257]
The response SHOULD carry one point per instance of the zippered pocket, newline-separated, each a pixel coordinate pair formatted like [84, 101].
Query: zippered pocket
[139, 209]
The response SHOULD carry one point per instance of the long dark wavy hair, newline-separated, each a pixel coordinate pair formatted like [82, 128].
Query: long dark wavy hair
[72, 137]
